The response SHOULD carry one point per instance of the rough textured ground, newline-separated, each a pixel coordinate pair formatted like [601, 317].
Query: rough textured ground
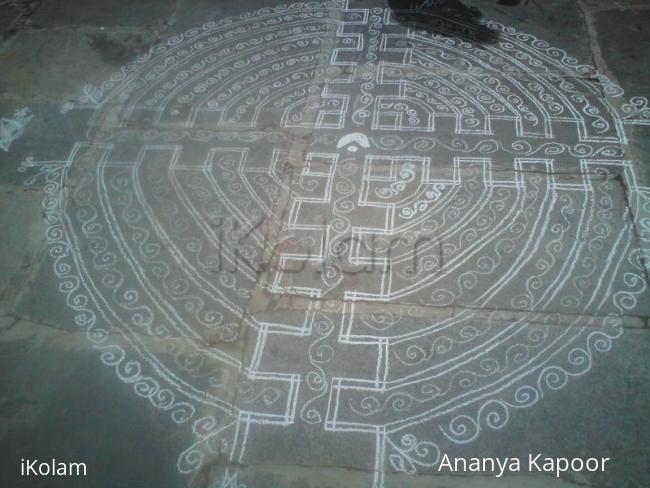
[323, 244]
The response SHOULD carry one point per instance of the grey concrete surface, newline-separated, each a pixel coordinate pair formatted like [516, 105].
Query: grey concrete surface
[324, 244]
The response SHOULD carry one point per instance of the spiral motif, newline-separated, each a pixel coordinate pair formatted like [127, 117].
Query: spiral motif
[314, 217]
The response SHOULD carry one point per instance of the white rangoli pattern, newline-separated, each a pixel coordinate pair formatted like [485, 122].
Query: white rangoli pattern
[365, 162]
[11, 129]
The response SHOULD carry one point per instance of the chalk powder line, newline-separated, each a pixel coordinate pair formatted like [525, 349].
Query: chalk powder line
[320, 132]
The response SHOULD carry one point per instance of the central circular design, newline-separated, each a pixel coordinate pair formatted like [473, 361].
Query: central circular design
[435, 208]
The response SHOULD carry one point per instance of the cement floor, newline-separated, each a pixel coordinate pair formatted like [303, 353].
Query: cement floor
[324, 244]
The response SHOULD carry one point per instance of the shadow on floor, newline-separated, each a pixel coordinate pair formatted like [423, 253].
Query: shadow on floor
[446, 17]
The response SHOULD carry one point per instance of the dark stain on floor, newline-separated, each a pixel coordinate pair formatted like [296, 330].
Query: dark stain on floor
[438, 16]
[117, 51]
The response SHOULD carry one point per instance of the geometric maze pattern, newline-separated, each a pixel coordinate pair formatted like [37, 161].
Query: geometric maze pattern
[314, 226]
